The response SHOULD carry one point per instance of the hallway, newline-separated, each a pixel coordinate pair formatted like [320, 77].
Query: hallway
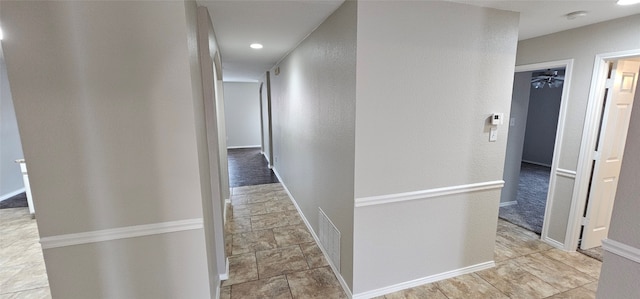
[271, 252]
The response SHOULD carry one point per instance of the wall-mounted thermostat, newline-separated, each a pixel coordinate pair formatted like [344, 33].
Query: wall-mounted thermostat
[497, 119]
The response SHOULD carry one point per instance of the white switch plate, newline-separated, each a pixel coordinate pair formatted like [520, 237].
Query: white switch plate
[513, 122]
[493, 136]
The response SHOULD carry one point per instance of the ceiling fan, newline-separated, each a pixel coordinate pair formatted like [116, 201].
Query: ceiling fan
[548, 78]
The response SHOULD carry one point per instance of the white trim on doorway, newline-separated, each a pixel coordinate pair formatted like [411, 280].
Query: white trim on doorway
[589, 138]
[568, 65]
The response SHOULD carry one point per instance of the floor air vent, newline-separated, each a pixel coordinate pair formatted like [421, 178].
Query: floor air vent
[329, 238]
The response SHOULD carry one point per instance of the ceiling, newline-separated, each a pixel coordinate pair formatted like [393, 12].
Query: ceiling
[281, 25]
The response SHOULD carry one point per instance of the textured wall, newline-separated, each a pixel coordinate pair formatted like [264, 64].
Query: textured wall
[515, 140]
[10, 145]
[106, 111]
[429, 75]
[314, 116]
[542, 124]
[242, 112]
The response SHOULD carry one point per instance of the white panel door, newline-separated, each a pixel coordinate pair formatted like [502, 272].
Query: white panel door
[610, 148]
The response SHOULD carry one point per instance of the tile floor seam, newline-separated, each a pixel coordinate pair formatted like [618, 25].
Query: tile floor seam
[499, 290]
[24, 290]
[286, 276]
[441, 291]
[572, 267]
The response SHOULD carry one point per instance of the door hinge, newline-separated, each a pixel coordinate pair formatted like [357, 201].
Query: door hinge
[584, 221]
[596, 155]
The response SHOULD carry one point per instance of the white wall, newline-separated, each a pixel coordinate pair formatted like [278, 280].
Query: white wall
[515, 139]
[10, 145]
[314, 117]
[582, 45]
[106, 112]
[542, 124]
[429, 75]
[242, 112]
[619, 277]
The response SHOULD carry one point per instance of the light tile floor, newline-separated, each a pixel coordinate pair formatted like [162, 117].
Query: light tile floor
[272, 255]
[271, 252]
[22, 270]
[525, 268]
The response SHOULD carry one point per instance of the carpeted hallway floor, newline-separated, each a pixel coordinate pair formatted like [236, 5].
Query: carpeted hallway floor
[532, 198]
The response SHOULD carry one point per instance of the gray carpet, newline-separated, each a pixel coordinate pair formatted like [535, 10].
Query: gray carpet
[18, 201]
[532, 198]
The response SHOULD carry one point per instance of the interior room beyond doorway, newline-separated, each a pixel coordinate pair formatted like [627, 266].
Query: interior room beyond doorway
[535, 110]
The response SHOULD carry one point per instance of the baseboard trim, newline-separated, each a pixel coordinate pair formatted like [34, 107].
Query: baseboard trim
[244, 146]
[620, 249]
[566, 173]
[12, 194]
[343, 283]
[508, 203]
[429, 193]
[536, 163]
[420, 281]
[120, 233]
[553, 242]
[225, 275]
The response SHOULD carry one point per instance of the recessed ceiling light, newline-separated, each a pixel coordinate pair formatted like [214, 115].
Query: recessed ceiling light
[256, 46]
[576, 14]
[628, 2]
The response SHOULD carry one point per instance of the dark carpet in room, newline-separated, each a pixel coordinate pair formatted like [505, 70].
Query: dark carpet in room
[17, 201]
[247, 167]
[532, 198]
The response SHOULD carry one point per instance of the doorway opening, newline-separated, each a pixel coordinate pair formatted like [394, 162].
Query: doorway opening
[533, 123]
[248, 127]
[614, 90]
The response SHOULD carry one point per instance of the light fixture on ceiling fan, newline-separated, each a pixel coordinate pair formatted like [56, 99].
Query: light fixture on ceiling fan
[549, 79]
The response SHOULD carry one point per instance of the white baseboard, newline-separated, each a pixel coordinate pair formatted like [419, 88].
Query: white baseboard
[620, 249]
[508, 203]
[343, 283]
[536, 163]
[225, 275]
[420, 281]
[267, 158]
[11, 194]
[244, 146]
[553, 243]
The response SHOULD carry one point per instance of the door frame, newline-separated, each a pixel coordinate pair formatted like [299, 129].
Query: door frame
[589, 139]
[557, 148]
